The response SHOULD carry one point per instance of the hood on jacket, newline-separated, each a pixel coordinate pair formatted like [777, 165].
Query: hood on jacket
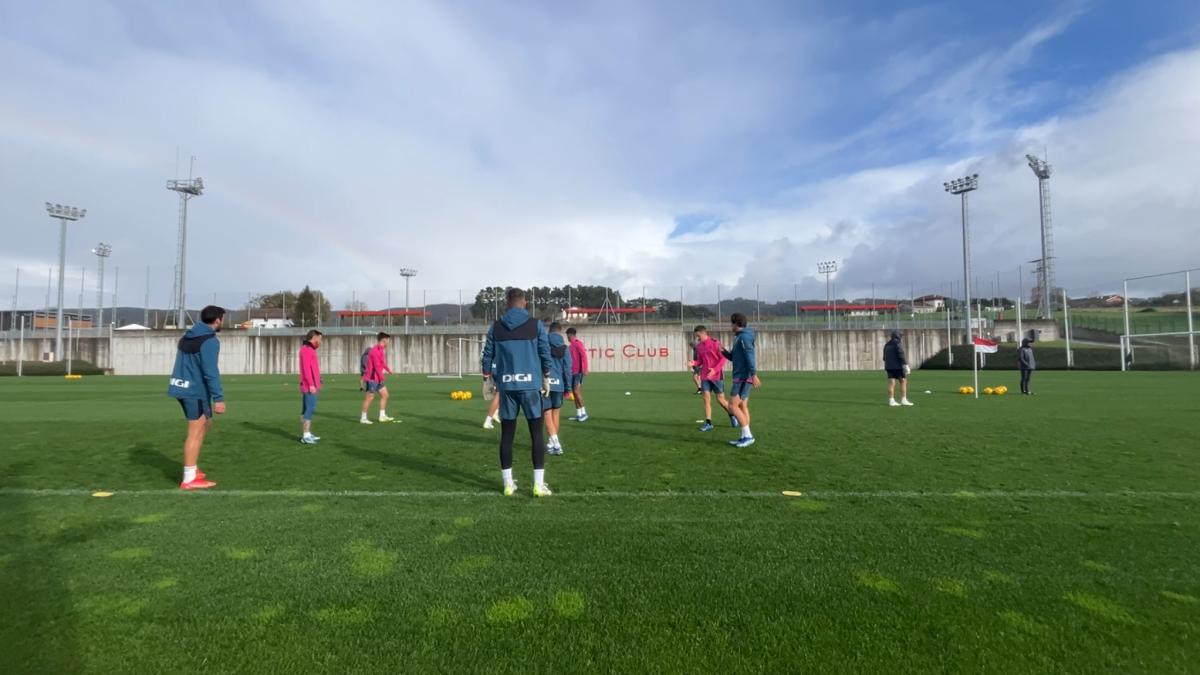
[896, 335]
[199, 330]
[557, 340]
[514, 317]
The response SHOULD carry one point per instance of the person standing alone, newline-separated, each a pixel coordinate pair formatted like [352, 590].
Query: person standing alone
[1027, 363]
[310, 384]
[196, 384]
[896, 365]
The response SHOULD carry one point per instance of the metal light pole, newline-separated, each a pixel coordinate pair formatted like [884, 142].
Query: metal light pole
[192, 187]
[1046, 277]
[961, 187]
[63, 213]
[407, 273]
[828, 267]
[102, 251]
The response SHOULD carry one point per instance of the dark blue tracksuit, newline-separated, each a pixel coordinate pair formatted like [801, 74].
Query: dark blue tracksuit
[195, 379]
[517, 356]
[745, 364]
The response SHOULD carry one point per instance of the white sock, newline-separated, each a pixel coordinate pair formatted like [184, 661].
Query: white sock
[746, 432]
[382, 412]
[582, 412]
[507, 474]
[364, 416]
[554, 440]
[539, 476]
[892, 399]
[189, 474]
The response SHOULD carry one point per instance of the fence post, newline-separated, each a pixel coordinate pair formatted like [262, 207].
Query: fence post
[21, 348]
[1187, 291]
[1067, 324]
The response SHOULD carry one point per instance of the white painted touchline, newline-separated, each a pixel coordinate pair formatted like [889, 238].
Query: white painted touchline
[635, 494]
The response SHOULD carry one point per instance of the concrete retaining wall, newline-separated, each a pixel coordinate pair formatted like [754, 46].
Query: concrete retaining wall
[611, 349]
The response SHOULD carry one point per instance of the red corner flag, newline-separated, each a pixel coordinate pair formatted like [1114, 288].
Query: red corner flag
[985, 346]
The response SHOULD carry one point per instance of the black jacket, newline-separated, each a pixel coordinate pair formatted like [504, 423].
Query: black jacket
[893, 355]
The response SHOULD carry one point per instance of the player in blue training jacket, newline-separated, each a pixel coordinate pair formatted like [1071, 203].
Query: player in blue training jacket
[196, 384]
[560, 384]
[745, 376]
[516, 355]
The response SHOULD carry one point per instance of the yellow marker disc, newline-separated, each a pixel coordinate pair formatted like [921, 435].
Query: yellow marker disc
[792, 493]
[102, 494]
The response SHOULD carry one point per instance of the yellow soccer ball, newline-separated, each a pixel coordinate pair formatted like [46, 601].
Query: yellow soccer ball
[468, 395]
[970, 390]
[987, 391]
[456, 395]
[1002, 390]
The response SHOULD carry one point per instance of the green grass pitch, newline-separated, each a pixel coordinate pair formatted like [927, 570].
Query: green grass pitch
[1054, 533]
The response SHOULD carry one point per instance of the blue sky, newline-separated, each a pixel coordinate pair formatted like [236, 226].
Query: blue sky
[638, 144]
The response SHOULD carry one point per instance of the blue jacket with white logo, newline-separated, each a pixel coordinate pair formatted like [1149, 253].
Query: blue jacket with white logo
[745, 366]
[195, 374]
[520, 349]
[560, 363]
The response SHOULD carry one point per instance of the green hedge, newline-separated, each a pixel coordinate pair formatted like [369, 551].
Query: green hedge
[35, 368]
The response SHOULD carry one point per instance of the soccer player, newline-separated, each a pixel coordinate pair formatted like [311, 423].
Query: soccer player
[745, 376]
[374, 379]
[516, 355]
[710, 363]
[1027, 363]
[310, 384]
[560, 373]
[579, 370]
[896, 365]
[196, 383]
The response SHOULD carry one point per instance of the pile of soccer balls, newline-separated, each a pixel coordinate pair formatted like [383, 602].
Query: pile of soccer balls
[987, 391]
[461, 395]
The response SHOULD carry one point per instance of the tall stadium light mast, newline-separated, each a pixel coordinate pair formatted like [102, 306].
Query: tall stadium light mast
[64, 214]
[962, 187]
[192, 187]
[408, 273]
[102, 251]
[828, 267]
[1046, 278]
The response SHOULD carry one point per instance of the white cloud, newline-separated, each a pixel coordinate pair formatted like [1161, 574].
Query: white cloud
[528, 146]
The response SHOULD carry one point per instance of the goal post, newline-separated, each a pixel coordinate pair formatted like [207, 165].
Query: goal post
[1173, 348]
[460, 359]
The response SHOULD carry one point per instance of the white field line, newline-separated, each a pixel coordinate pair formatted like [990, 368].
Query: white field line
[638, 494]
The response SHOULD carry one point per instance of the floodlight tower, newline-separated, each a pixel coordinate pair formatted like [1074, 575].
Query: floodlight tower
[962, 187]
[1041, 169]
[192, 187]
[63, 213]
[828, 267]
[408, 273]
[102, 251]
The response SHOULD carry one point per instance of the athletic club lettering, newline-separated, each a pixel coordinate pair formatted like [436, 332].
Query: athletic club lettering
[629, 351]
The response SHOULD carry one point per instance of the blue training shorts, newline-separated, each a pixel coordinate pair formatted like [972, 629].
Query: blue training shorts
[554, 401]
[513, 402]
[373, 387]
[308, 406]
[195, 408]
[715, 386]
[741, 389]
[576, 380]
